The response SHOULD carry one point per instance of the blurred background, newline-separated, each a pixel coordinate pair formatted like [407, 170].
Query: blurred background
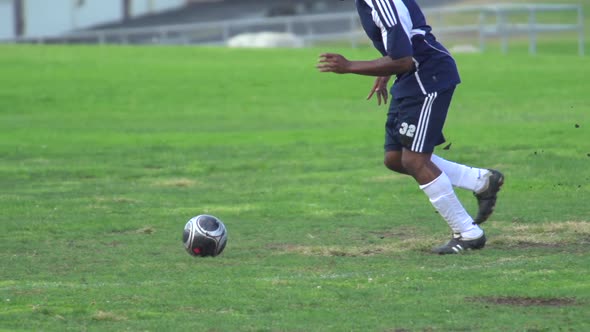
[468, 25]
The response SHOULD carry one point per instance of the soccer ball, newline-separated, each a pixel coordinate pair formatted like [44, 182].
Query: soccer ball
[204, 235]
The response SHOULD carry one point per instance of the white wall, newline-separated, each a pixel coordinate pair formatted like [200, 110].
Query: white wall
[45, 18]
[143, 7]
[6, 19]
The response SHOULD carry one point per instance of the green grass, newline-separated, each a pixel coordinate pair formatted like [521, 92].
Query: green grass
[106, 152]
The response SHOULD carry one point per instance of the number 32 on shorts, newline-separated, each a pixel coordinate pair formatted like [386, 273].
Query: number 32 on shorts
[407, 130]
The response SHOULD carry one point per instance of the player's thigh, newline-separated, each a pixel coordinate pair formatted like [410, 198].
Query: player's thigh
[416, 123]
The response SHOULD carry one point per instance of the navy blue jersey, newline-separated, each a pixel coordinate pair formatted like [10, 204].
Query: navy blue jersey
[398, 29]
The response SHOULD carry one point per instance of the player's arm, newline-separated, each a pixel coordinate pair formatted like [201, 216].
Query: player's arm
[395, 46]
[384, 66]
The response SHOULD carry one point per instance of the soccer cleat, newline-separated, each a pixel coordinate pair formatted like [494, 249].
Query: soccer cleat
[486, 200]
[457, 245]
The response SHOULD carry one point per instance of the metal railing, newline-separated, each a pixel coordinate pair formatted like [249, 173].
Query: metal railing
[488, 22]
[503, 28]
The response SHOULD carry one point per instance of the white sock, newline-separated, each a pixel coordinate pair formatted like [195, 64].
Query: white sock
[445, 201]
[462, 176]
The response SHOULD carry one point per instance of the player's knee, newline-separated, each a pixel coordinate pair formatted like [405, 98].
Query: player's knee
[393, 166]
[393, 162]
[412, 163]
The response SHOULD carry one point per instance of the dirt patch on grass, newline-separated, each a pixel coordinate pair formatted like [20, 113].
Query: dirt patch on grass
[396, 233]
[146, 230]
[108, 316]
[373, 243]
[358, 250]
[363, 252]
[525, 301]
[540, 235]
[532, 245]
[118, 200]
[180, 182]
[571, 235]
[143, 230]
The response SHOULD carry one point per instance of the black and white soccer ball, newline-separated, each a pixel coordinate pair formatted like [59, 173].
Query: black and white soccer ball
[204, 235]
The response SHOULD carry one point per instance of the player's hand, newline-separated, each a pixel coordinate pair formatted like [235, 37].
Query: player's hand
[380, 88]
[333, 63]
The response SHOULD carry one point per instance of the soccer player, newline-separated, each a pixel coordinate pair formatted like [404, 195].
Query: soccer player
[421, 95]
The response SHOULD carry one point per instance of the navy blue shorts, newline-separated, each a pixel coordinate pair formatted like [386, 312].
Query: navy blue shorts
[416, 122]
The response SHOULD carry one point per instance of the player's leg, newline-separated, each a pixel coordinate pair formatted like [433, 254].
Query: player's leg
[392, 146]
[393, 161]
[439, 189]
[461, 176]
[418, 129]
[419, 166]
[484, 183]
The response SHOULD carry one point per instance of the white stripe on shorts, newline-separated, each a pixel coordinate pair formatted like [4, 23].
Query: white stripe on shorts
[422, 127]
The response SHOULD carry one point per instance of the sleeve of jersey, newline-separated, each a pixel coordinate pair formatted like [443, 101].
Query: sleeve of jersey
[372, 31]
[378, 43]
[374, 34]
[398, 42]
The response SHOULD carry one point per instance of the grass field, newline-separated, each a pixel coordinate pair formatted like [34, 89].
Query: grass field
[106, 152]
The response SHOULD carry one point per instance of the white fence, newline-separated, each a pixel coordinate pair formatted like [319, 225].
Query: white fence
[485, 22]
[507, 22]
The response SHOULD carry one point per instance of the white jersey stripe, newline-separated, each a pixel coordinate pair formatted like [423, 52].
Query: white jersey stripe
[417, 64]
[424, 125]
[422, 128]
[418, 131]
[389, 9]
[403, 14]
[441, 51]
[428, 120]
[379, 7]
